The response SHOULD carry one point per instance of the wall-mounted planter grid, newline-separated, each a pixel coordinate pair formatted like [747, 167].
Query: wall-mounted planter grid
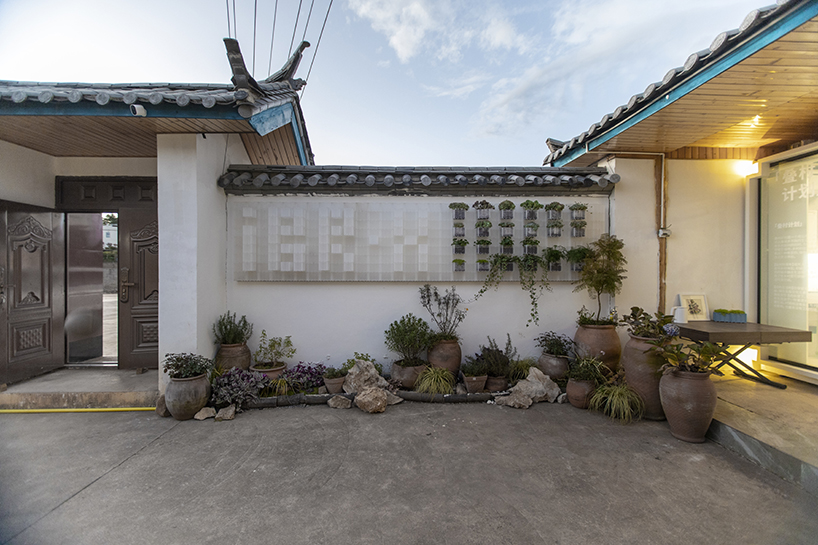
[388, 239]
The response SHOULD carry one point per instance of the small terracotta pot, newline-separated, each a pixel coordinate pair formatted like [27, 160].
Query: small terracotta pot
[642, 374]
[233, 355]
[475, 385]
[272, 372]
[579, 392]
[496, 384]
[553, 366]
[600, 342]
[184, 397]
[689, 401]
[406, 375]
[334, 385]
[445, 354]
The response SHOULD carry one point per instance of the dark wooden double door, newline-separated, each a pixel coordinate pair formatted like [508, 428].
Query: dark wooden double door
[33, 288]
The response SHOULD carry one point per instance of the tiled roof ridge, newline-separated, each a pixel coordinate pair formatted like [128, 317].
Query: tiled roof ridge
[720, 46]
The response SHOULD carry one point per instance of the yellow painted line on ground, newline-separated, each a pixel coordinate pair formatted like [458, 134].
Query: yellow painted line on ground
[100, 410]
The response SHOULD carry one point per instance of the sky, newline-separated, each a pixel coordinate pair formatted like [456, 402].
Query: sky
[394, 82]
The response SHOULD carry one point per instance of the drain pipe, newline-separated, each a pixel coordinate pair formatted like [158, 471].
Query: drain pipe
[97, 410]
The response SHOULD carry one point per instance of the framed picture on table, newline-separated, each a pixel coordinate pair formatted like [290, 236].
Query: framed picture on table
[696, 306]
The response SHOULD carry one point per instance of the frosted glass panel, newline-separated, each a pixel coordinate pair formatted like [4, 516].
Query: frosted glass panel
[389, 239]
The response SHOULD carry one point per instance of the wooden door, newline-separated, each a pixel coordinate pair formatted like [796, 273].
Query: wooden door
[138, 289]
[32, 291]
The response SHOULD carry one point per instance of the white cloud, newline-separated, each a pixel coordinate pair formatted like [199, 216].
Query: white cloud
[461, 87]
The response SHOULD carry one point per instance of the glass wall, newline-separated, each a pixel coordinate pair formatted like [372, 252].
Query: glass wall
[789, 255]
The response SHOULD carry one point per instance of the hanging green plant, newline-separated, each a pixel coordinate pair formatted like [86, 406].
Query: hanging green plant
[483, 224]
[483, 205]
[482, 242]
[554, 224]
[507, 241]
[533, 278]
[556, 206]
[578, 206]
[553, 254]
[530, 241]
[507, 205]
[506, 224]
[460, 242]
[531, 205]
[459, 206]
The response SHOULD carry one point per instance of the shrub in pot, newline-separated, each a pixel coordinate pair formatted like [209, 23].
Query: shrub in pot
[334, 379]
[435, 380]
[408, 337]
[232, 336]
[271, 353]
[474, 374]
[237, 387]
[556, 351]
[189, 386]
[498, 364]
[618, 400]
[640, 362]
[444, 309]
[583, 377]
[687, 393]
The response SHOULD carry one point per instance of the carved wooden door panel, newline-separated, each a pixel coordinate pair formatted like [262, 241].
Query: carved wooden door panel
[32, 296]
[138, 289]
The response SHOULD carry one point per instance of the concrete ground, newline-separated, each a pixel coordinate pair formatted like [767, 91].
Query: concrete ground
[420, 473]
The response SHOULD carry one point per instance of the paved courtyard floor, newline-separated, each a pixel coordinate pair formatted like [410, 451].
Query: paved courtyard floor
[419, 473]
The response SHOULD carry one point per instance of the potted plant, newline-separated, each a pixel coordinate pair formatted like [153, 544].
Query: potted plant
[506, 228]
[232, 336]
[483, 208]
[482, 227]
[445, 311]
[687, 393]
[459, 229]
[530, 245]
[583, 377]
[531, 208]
[459, 245]
[271, 353]
[459, 210]
[553, 257]
[474, 374]
[640, 362]
[554, 227]
[531, 228]
[506, 210]
[498, 364]
[576, 256]
[733, 316]
[556, 351]
[334, 379]
[554, 210]
[602, 273]
[435, 380]
[618, 400]
[578, 228]
[305, 378]
[189, 387]
[482, 245]
[459, 265]
[482, 265]
[507, 245]
[408, 337]
[578, 210]
[237, 387]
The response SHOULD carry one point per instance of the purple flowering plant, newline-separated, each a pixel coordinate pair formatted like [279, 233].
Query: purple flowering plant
[237, 387]
[305, 377]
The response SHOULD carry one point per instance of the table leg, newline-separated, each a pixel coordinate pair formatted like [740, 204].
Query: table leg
[728, 356]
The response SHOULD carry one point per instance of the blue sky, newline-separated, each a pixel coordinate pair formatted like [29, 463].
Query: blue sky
[395, 82]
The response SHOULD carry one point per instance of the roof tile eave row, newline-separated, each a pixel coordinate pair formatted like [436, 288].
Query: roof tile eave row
[675, 76]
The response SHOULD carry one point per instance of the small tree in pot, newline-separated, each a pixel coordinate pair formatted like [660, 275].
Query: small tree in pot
[408, 337]
[271, 353]
[446, 314]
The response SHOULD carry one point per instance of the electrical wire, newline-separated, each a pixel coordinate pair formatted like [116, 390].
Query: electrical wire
[255, 26]
[235, 32]
[321, 35]
[292, 40]
[308, 21]
[272, 39]
[227, 5]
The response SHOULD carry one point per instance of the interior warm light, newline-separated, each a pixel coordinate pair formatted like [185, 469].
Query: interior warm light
[746, 168]
[748, 357]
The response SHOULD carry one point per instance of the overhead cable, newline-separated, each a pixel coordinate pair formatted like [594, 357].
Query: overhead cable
[272, 39]
[297, 15]
[317, 45]
[307, 24]
[255, 26]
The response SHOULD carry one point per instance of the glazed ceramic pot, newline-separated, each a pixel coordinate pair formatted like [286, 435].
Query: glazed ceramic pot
[445, 354]
[642, 374]
[184, 397]
[689, 401]
[553, 366]
[475, 385]
[600, 342]
[579, 392]
[233, 355]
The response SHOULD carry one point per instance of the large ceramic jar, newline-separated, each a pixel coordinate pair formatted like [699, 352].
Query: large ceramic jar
[406, 375]
[445, 354]
[600, 342]
[642, 374]
[475, 385]
[689, 401]
[496, 384]
[579, 392]
[233, 355]
[270, 372]
[553, 366]
[184, 397]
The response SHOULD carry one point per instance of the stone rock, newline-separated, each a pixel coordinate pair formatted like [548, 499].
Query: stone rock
[392, 399]
[371, 400]
[161, 408]
[460, 388]
[363, 375]
[322, 390]
[552, 391]
[228, 413]
[518, 399]
[533, 389]
[339, 402]
[205, 413]
[563, 398]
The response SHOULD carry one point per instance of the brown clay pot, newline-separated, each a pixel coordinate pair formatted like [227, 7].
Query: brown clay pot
[600, 342]
[689, 401]
[496, 384]
[475, 385]
[272, 372]
[553, 366]
[406, 375]
[233, 355]
[334, 385]
[642, 374]
[579, 392]
[445, 354]
[184, 397]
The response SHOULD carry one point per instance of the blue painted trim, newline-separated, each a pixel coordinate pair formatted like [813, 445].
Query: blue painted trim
[116, 109]
[790, 22]
[274, 118]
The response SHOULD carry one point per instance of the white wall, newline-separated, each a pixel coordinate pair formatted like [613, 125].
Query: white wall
[26, 176]
[105, 166]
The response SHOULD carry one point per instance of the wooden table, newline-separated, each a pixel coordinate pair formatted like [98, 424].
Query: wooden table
[747, 335]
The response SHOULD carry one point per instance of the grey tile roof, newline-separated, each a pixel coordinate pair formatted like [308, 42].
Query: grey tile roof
[755, 21]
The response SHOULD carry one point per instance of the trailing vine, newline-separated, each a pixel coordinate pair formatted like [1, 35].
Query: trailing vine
[533, 278]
